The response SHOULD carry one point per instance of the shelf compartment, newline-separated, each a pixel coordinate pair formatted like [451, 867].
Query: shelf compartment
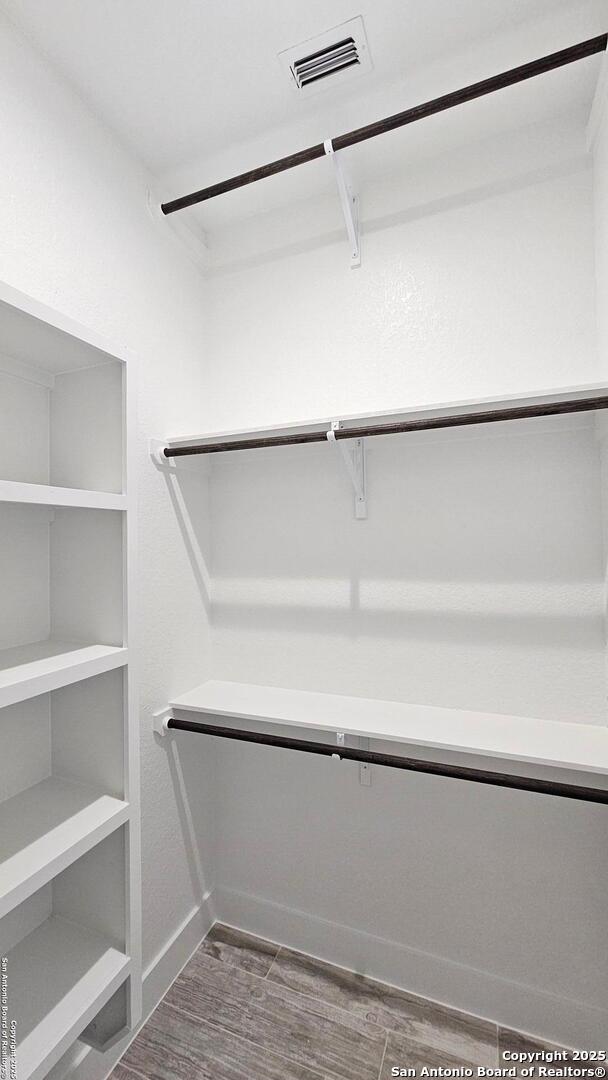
[582, 748]
[29, 670]
[62, 418]
[12, 491]
[46, 828]
[59, 977]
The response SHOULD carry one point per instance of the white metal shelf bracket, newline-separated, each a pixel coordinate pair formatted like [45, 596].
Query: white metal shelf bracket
[349, 202]
[355, 466]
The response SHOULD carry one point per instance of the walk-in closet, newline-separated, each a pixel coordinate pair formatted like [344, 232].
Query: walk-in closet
[303, 540]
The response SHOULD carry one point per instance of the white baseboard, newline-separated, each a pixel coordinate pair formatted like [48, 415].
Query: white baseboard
[83, 1063]
[510, 1004]
[163, 970]
[514, 1005]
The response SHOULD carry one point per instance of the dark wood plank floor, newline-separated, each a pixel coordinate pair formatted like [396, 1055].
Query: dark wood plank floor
[245, 1008]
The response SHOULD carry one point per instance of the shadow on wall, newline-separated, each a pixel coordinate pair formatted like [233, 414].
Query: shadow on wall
[475, 541]
[191, 511]
[187, 779]
[377, 222]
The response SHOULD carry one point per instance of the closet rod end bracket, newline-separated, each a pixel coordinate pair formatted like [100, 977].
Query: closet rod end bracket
[156, 448]
[161, 721]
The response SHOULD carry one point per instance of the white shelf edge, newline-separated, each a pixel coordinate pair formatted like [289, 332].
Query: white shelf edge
[72, 663]
[59, 946]
[408, 412]
[13, 491]
[88, 818]
[580, 748]
[57, 321]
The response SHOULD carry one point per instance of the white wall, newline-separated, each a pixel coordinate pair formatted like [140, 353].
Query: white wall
[464, 296]
[75, 232]
[476, 581]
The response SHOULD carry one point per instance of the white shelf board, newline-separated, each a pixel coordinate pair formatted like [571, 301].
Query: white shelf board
[522, 739]
[28, 670]
[34, 334]
[14, 491]
[47, 827]
[410, 412]
[59, 977]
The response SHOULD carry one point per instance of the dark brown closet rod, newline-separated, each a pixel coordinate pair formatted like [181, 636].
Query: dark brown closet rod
[409, 116]
[517, 412]
[394, 761]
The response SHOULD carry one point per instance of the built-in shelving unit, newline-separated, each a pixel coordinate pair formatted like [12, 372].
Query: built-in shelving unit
[60, 975]
[69, 786]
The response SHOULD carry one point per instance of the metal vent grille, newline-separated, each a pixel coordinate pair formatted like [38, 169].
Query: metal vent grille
[325, 62]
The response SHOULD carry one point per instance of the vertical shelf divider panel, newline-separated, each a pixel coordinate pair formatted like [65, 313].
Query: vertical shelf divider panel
[70, 875]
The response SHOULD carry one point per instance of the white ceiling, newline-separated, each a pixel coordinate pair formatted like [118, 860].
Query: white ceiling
[195, 90]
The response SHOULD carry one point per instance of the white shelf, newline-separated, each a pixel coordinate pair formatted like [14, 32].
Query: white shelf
[28, 670]
[579, 747]
[47, 827]
[449, 408]
[59, 977]
[13, 491]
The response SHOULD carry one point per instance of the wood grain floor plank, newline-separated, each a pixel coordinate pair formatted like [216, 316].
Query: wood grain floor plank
[175, 1046]
[404, 1053]
[306, 1030]
[435, 1026]
[120, 1072]
[515, 1041]
[242, 950]
[246, 1008]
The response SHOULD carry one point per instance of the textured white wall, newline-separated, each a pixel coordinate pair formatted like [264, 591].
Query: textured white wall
[476, 581]
[473, 295]
[75, 232]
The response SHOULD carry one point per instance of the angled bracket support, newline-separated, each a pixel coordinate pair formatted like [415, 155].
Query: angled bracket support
[349, 203]
[354, 461]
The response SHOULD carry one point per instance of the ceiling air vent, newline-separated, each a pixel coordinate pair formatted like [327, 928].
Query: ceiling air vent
[324, 62]
[331, 57]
